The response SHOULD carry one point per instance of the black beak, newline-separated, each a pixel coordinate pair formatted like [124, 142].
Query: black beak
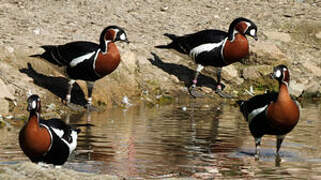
[272, 75]
[126, 40]
[255, 37]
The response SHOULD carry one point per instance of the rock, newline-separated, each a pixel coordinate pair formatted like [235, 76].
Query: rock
[36, 31]
[250, 73]
[164, 8]
[9, 49]
[267, 53]
[230, 73]
[313, 87]
[254, 72]
[4, 108]
[278, 36]
[312, 68]
[174, 78]
[206, 89]
[318, 35]
[4, 96]
[296, 89]
[129, 61]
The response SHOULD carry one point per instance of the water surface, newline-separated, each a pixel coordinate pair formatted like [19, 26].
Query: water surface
[182, 140]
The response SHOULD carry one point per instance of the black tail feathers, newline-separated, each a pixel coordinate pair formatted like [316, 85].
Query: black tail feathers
[240, 102]
[49, 54]
[168, 46]
[78, 130]
[171, 36]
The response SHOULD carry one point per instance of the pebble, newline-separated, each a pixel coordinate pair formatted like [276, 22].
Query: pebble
[9, 117]
[165, 8]
[318, 35]
[125, 101]
[36, 31]
[184, 108]
[9, 49]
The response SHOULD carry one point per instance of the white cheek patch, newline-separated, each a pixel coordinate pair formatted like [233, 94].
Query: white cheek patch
[252, 32]
[34, 104]
[123, 37]
[278, 73]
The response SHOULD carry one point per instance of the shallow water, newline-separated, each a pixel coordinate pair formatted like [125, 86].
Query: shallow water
[182, 140]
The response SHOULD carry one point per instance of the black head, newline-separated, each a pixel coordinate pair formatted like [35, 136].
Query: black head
[113, 33]
[34, 103]
[243, 26]
[282, 74]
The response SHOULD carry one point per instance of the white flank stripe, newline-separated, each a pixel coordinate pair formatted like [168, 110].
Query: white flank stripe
[80, 59]
[204, 48]
[255, 112]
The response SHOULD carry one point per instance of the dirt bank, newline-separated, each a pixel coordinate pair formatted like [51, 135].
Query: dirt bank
[288, 33]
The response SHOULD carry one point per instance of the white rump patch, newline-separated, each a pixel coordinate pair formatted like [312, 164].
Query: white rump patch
[123, 37]
[72, 146]
[255, 112]
[59, 132]
[80, 59]
[204, 48]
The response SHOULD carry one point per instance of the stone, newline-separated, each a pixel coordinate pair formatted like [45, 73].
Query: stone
[318, 35]
[230, 73]
[296, 89]
[313, 87]
[250, 73]
[278, 36]
[129, 61]
[9, 49]
[312, 68]
[206, 89]
[4, 108]
[267, 53]
[254, 72]
[5, 95]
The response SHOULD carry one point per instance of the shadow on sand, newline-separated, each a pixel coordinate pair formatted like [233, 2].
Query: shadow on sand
[182, 72]
[56, 85]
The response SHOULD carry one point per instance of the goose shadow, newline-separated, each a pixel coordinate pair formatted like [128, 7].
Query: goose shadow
[183, 73]
[56, 85]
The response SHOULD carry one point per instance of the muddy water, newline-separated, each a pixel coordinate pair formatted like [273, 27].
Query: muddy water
[182, 140]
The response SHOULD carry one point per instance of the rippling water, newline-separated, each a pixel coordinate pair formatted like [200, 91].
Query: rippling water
[183, 140]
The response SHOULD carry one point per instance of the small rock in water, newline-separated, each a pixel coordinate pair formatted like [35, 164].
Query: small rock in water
[125, 101]
[9, 117]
